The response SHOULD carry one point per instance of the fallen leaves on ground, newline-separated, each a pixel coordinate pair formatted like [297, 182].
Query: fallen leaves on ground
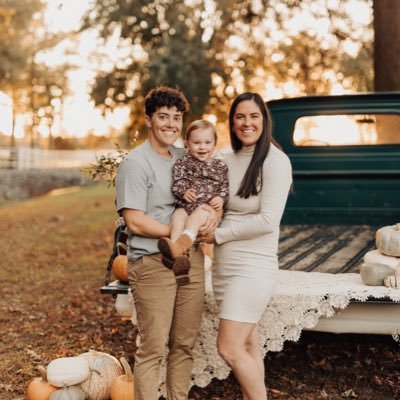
[54, 255]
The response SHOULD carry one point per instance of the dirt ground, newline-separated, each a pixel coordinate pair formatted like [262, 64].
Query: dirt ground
[53, 260]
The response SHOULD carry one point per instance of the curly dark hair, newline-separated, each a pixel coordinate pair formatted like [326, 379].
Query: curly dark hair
[165, 96]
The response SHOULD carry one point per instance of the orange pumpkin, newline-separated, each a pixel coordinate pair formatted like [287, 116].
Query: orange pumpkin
[123, 388]
[120, 267]
[39, 388]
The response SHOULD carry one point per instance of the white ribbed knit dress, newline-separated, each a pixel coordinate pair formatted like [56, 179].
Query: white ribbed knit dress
[245, 265]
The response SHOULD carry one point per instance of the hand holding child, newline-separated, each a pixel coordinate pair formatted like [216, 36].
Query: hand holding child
[216, 203]
[211, 223]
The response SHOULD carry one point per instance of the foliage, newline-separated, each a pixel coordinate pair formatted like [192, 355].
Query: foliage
[15, 17]
[105, 168]
[213, 50]
[34, 87]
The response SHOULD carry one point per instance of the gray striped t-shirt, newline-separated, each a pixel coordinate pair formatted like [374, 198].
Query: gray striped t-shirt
[143, 183]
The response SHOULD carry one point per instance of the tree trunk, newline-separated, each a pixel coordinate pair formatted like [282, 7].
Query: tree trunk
[14, 116]
[387, 45]
[51, 126]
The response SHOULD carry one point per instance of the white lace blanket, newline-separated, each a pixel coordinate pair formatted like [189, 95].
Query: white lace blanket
[300, 299]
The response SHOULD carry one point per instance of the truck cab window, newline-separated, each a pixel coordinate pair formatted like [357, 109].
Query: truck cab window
[345, 130]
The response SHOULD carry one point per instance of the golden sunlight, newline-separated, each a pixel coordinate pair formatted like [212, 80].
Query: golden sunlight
[79, 116]
[339, 130]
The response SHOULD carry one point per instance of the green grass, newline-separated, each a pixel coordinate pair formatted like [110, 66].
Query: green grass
[56, 233]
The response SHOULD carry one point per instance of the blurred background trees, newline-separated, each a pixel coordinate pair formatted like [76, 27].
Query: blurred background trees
[211, 49]
[35, 89]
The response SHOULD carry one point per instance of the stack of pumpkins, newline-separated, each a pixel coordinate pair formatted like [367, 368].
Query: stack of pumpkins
[90, 376]
[123, 302]
[382, 266]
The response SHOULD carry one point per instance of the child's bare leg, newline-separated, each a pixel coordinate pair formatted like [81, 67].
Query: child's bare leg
[194, 221]
[174, 247]
[178, 221]
[180, 242]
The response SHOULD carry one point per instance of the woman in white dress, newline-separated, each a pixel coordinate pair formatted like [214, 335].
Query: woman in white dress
[245, 265]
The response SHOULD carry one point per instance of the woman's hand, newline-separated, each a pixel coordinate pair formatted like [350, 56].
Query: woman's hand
[211, 222]
[216, 203]
[206, 238]
[206, 232]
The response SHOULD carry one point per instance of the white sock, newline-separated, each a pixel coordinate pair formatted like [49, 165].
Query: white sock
[190, 233]
[175, 237]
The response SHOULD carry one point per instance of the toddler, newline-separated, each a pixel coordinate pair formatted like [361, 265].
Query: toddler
[198, 179]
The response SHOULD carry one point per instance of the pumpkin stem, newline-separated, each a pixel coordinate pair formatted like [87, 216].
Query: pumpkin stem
[42, 372]
[127, 368]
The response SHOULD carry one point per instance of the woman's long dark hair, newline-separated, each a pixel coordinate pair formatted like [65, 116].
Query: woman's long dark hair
[252, 181]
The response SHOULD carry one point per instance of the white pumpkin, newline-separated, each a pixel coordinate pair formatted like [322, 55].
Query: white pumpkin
[387, 240]
[68, 393]
[124, 305]
[105, 369]
[67, 371]
[392, 281]
[374, 274]
[376, 257]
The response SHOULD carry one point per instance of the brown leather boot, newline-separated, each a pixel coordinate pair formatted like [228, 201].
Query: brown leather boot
[180, 267]
[167, 262]
[172, 250]
[181, 270]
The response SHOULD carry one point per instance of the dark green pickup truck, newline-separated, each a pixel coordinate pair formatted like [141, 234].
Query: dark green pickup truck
[345, 153]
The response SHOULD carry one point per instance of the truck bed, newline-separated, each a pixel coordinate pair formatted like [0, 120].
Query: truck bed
[324, 248]
[319, 248]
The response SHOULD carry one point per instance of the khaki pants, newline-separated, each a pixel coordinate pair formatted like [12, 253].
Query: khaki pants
[167, 315]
